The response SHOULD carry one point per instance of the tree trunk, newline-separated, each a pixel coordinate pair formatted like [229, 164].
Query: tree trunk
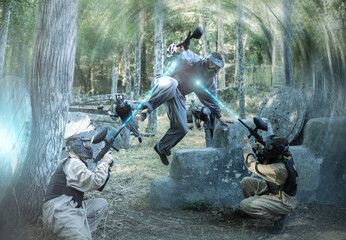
[204, 27]
[138, 48]
[287, 5]
[22, 55]
[11, 68]
[127, 71]
[144, 77]
[273, 60]
[240, 76]
[114, 81]
[152, 122]
[220, 44]
[91, 74]
[327, 40]
[4, 22]
[51, 84]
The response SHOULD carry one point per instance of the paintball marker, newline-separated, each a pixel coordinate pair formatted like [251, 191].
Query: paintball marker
[108, 136]
[197, 33]
[107, 112]
[260, 124]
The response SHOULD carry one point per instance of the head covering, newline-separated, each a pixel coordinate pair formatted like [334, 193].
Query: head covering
[212, 65]
[80, 146]
[170, 50]
[120, 101]
[275, 146]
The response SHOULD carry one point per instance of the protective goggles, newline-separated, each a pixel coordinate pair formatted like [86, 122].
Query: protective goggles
[273, 147]
[214, 63]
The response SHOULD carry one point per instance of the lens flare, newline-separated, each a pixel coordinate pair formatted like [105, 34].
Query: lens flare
[217, 100]
[161, 80]
[8, 151]
[174, 65]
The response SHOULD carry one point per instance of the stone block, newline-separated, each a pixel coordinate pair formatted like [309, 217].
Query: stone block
[231, 136]
[200, 175]
[324, 135]
[308, 167]
[213, 175]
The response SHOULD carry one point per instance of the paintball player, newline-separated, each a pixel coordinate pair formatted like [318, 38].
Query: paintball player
[275, 197]
[65, 211]
[174, 84]
[124, 111]
[202, 113]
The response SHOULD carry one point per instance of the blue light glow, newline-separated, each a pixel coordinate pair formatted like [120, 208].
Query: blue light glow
[171, 68]
[174, 65]
[160, 80]
[8, 147]
[198, 83]
[140, 105]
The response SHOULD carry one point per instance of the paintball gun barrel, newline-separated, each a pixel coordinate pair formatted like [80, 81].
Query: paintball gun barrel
[197, 34]
[260, 124]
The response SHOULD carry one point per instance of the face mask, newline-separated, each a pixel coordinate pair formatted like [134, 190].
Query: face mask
[208, 72]
[212, 66]
[273, 148]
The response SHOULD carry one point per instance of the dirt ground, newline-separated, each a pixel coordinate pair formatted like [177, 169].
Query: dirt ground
[129, 218]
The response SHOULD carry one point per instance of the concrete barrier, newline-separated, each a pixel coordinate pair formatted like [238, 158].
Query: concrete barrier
[213, 175]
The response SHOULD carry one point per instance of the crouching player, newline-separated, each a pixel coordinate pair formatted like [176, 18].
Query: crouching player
[275, 197]
[65, 211]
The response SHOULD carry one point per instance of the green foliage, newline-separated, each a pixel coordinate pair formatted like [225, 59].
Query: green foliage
[258, 50]
[20, 37]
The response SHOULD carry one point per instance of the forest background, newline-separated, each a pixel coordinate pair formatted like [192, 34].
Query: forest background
[67, 49]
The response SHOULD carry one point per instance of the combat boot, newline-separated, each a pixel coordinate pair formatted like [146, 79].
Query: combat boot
[279, 225]
[163, 157]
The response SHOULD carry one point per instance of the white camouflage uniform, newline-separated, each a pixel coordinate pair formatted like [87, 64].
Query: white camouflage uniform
[61, 214]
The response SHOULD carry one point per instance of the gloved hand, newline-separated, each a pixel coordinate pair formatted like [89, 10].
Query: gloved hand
[108, 158]
[179, 49]
[246, 141]
[257, 147]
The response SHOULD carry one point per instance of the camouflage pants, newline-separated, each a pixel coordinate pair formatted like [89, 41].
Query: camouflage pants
[68, 222]
[259, 203]
[167, 93]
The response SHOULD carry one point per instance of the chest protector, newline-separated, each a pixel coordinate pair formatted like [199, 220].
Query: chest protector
[57, 187]
[290, 186]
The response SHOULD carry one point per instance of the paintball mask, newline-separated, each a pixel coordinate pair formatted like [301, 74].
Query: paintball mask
[212, 65]
[120, 101]
[80, 146]
[275, 146]
[170, 50]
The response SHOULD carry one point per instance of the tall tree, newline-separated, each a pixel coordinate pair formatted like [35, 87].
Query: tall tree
[287, 9]
[127, 71]
[138, 48]
[204, 27]
[240, 77]
[158, 68]
[220, 44]
[114, 81]
[51, 83]
[4, 21]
